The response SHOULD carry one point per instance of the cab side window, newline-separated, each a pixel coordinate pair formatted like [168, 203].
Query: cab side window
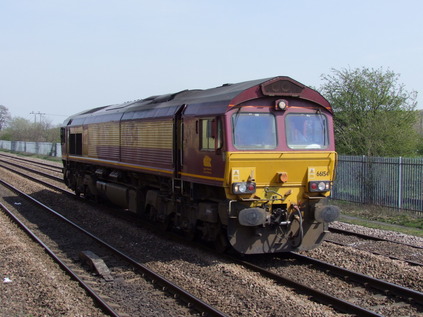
[75, 143]
[207, 141]
[210, 134]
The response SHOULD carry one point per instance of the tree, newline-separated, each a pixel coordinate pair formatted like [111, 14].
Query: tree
[374, 114]
[4, 116]
[20, 129]
[419, 128]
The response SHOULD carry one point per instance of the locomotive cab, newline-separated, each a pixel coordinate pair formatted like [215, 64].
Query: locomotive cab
[279, 171]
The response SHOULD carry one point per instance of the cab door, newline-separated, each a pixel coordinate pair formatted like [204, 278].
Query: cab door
[178, 142]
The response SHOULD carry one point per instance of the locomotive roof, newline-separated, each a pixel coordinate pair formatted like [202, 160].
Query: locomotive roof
[218, 100]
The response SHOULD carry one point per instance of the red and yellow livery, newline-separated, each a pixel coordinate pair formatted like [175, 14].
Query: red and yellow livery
[245, 165]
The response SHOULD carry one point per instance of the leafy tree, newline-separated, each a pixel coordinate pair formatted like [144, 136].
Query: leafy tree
[374, 114]
[419, 128]
[52, 134]
[20, 129]
[4, 116]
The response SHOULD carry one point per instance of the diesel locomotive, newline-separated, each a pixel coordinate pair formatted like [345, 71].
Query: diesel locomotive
[246, 166]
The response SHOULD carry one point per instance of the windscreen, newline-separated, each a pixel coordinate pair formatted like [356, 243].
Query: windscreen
[306, 131]
[254, 131]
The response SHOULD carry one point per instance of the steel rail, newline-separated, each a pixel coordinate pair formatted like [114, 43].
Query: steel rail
[368, 237]
[191, 300]
[17, 158]
[39, 180]
[33, 171]
[103, 305]
[377, 253]
[397, 290]
[321, 297]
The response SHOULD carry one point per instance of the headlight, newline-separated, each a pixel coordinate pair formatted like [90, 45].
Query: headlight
[319, 186]
[326, 213]
[252, 217]
[243, 188]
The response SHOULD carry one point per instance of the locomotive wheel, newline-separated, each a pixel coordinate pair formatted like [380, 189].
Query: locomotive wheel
[221, 244]
[191, 235]
[166, 224]
[151, 214]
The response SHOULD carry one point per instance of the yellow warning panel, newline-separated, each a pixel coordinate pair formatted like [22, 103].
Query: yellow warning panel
[243, 174]
[318, 173]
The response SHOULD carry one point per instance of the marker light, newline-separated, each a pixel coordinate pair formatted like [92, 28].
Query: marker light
[281, 104]
[283, 177]
[243, 188]
[319, 186]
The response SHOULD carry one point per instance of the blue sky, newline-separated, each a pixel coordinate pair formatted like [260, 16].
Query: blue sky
[59, 57]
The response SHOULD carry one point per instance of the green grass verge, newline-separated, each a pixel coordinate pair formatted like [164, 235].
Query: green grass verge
[43, 157]
[379, 217]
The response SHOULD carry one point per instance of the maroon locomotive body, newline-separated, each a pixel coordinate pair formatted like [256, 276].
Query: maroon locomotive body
[245, 165]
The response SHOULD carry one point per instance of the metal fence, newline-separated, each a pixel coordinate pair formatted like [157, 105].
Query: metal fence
[392, 182]
[40, 148]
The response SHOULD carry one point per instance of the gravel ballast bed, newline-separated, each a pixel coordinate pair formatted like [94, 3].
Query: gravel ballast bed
[32, 284]
[237, 294]
[384, 234]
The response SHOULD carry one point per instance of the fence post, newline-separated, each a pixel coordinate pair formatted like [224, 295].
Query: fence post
[364, 195]
[400, 182]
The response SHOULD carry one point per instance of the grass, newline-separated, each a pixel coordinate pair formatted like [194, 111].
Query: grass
[43, 157]
[379, 217]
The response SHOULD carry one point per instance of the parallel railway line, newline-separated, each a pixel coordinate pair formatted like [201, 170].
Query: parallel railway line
[322, 297]
[415, 253]
[370, 237]
[103, 304]
[182, 295]
[374, 287]
[51, 166]
[28, 169]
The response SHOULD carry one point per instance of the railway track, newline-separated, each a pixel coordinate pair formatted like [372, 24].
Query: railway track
[411, 254]
[35, 175]
[42, 164]
[30, 160]
[103, 304]
[67, 237]
[370, 237]
[31, 170]
[322, 297]
[342, 305]
[372, 287]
